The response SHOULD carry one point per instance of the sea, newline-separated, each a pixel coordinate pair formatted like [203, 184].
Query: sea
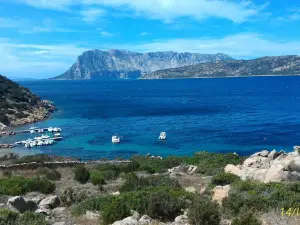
[242, 115]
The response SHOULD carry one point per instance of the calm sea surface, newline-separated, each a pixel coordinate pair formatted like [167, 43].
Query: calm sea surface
[240, 115]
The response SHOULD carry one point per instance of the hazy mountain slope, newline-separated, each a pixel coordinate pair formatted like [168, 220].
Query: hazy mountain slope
[277, 65]
[114, 64]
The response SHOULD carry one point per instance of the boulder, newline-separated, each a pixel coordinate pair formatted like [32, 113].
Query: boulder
[190, 189]
[127, 221]
[264, 153]
[60, 212]
[220, 192]
[37, 199]
[92, 215]
[144, 220]
[52, 202]
[44, 210]
[192, 169]
[182, 219]
[135, 215]
[19, 204]
[233, 169]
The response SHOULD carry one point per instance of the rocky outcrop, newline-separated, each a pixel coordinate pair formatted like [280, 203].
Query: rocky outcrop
[19, 106]
[50, 202]
[19, 204]
[121, 64]
[220, 192]
[268, 167]
[183, 169]
[276, 65]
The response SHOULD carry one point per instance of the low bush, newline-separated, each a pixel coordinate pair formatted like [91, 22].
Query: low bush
[134, 183]
[7, 173]
[21, 185]
[247, 218]
[31, 218]
[210, 163]
[82, 175]
[204, 212]
[224, 178]
[70, 196]
[8, 217]
[96, 178]
[159, 203]
[92, 204]
[50, 174]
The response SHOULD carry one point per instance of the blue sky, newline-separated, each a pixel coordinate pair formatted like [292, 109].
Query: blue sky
[42, 38]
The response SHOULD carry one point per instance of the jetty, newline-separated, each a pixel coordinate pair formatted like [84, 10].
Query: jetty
[31, 130]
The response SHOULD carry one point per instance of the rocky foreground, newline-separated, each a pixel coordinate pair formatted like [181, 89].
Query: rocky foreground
[268, 166]
[207, 188]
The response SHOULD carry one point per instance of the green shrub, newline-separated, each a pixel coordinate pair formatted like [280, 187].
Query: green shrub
[159, 203]
[31, 218]
[134, 183]
[7, 173]
[69, 196]
[204, 212]
[110, 174]
[50, 174]
[97, 178]
[210, 163]
[8, 217]
[224, 178]
[21, 185]
[247, 218]
[82, 175]
[92, 204]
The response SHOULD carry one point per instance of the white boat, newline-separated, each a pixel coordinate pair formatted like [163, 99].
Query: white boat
[50, 129]
[115, 139]
[37, 138]
[45, 136]
[41, 130]
[33, 128]
[57, 135]
[162, 136]
[39, 143]
[32, 131]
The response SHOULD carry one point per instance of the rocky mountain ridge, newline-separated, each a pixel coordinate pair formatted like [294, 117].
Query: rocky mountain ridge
[276, 65]
[122, 64]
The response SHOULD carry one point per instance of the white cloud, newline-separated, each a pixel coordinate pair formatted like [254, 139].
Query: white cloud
[166, 10]
[106, 34]
[26, 26]
[243, 45]
[92, 14]
[145, 33]
[37, 61]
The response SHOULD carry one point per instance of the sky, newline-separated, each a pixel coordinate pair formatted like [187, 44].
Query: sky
[43, 38]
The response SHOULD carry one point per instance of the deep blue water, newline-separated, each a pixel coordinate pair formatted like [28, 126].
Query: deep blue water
[240, 115]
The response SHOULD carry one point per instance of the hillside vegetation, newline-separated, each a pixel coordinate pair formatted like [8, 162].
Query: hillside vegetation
[19, 106]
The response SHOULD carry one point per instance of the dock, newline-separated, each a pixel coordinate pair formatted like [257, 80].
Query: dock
[36, 130]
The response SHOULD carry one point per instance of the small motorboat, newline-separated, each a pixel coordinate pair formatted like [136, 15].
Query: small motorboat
[115, 139]
[57, 135]
[162, 136]
[32, 131]
[50, 129]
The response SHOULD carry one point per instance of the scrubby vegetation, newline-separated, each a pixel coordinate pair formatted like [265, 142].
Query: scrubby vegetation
[224, 178]
[21, 185]
[82, 175]
[14, 99]
[260, 197]
[204, 212]
[8, 217]
[50, 174]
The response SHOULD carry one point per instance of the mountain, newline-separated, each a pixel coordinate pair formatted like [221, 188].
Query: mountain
[277, 65]
[115, 64]
[19, 106]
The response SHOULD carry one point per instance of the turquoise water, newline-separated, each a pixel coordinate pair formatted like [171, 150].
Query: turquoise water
[240, 115]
